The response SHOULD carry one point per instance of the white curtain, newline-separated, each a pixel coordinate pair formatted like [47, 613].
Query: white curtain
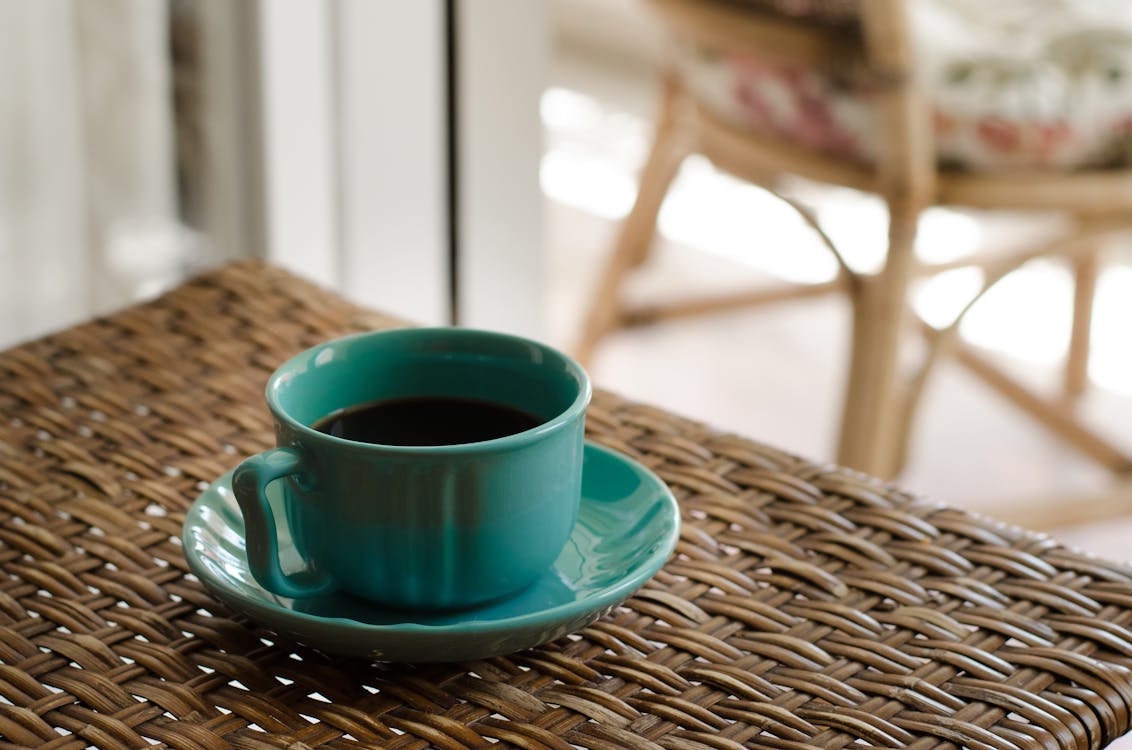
[87, 197]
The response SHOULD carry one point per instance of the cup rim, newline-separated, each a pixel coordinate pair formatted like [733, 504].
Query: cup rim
[515, 440]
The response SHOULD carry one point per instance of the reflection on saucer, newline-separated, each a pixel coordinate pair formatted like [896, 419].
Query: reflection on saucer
[549, 591]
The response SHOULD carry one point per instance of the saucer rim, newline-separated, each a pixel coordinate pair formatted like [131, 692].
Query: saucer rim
[275, 613]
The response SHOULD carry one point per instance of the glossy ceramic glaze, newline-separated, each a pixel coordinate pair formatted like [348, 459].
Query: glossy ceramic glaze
[627, 527]
[418, 526]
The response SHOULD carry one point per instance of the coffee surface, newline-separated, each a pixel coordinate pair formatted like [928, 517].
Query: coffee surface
[430, 420]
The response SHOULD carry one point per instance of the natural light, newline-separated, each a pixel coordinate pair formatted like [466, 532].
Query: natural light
[591, 163]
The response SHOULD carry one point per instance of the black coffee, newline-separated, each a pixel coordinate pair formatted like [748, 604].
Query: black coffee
[429, 420]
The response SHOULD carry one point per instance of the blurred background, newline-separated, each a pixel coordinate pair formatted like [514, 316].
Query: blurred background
[470, 161]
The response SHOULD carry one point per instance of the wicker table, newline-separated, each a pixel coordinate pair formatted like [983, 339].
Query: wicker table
[807, 607]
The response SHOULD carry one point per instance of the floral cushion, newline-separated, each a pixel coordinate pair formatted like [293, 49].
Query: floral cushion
[1014, 84]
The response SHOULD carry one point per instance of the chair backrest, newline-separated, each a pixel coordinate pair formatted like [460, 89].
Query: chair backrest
[745, 26]
[907, 163]
[823, 11]
[871, 36]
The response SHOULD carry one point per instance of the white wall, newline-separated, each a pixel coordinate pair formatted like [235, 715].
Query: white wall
[392, 157]
[503, 66]
[87, 201]
[299, 123]
[355, 134]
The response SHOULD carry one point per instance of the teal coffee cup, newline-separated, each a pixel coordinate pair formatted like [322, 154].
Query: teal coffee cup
[423, 468]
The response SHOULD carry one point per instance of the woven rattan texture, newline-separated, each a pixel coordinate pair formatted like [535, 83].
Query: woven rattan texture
[806, 606]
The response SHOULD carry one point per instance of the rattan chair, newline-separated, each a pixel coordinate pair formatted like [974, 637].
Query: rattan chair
[871, 40]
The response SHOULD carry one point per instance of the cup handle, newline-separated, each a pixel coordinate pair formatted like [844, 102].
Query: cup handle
[249, 483]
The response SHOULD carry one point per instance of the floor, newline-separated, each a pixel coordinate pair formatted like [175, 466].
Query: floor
[774, 374]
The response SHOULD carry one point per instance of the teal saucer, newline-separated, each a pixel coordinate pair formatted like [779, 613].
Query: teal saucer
[627, 527]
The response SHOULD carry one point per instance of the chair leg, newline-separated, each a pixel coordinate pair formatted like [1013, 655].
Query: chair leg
[877, 391]
[671, 145]
[1085, 270]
